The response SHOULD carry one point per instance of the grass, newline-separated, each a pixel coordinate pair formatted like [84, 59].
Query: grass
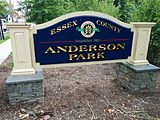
[6, 37]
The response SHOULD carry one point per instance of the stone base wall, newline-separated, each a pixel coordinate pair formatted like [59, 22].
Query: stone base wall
[26, 88]
[137, 78]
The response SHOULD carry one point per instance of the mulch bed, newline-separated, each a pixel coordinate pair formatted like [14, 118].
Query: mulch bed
[83, 93]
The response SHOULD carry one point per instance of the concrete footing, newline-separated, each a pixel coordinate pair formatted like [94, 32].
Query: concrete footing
[137, 78]
[25, 88]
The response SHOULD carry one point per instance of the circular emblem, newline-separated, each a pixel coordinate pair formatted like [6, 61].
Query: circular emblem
[88, 29]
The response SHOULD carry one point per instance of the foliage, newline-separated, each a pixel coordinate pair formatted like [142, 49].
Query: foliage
[104, 6]
[6, 37]
[143, 11]
[127, 9]
[149, 11]
[4, 8]
[40, 11]
[124, 9]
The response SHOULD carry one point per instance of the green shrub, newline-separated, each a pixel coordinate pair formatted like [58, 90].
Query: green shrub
[40, 11]
[149, 11]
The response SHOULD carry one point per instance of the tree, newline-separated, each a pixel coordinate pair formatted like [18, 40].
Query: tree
[3, 13]
[125, 8]
[149, 11]
[143, 11]
[40, 11]
[4, 8]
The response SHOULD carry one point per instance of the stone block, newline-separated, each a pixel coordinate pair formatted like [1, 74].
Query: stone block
[25, 88]
[137, 78]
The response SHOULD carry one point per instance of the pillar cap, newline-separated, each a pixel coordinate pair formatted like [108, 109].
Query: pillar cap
[18, 25]
[143, 24]
[141, 68]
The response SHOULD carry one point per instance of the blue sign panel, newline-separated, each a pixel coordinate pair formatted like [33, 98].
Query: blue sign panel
[82, 39]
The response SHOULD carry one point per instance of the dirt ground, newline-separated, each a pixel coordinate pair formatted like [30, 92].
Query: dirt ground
[83, 93]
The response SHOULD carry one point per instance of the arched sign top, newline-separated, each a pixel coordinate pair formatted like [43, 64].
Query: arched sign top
[82, 37]
[83, 14]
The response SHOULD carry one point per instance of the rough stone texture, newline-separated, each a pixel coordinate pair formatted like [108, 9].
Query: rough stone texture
[137, 78]
[26, 88]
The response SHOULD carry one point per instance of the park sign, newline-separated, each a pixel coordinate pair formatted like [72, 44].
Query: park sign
[76, 39]
[82, 37]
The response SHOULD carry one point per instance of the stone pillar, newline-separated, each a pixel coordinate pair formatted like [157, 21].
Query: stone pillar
[25, 84]
[21, 48]
[137, 74]
[140, 78]
[25, 88]
[140, 43]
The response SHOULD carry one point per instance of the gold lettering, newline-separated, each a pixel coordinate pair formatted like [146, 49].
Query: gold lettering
[64, 27]
[114, 28]
[75, 23]
[72, 48]
[111, 47]
[102, 47]
[119, 30]
[100, 55]
[98, 22]
[121, 46]
[59, 29]
[81, 56]
[109, 26]
[71, 56]
[102, 23]
[62, 49]
[91, 56]
[82, 48]
[50, 50]
[92, 48]
[69, 24]
[53, 31]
